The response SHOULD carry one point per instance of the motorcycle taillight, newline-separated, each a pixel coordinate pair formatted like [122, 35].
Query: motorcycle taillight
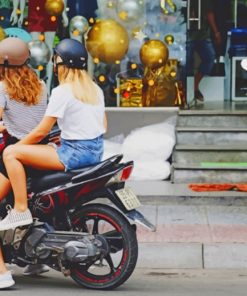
[122, 175]
[125, 173]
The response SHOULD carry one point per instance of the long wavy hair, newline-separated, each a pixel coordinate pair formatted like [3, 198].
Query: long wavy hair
[83, 87]
[22, 84]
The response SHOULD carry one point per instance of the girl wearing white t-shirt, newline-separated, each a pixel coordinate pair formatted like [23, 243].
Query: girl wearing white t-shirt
[77, 105]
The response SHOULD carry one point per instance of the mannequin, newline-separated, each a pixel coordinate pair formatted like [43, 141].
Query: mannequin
[8, 13]
[82, 7]
[39, 21]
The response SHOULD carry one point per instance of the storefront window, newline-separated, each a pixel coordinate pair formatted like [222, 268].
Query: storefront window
[139, 49]
[137, 46]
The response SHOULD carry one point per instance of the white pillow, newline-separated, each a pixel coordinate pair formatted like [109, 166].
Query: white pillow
[152, 142]
[151, 170]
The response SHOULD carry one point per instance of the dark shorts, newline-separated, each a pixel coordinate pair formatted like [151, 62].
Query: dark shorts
[7, 140]
[206, 51]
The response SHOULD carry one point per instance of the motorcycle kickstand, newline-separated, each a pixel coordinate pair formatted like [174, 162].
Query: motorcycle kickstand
[65, 272]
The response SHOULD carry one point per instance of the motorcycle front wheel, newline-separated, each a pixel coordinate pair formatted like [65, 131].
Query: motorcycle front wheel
[117, 266]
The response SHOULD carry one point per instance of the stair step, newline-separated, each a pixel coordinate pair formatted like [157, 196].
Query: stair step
[212, 112]
[211, 147]
[231, 147]
[211, 129]
[209, 173]
[211, 136]
[212, 118]
[187, 155]
[212, 165]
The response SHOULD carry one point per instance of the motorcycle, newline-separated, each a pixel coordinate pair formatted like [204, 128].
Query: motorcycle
[84, 224]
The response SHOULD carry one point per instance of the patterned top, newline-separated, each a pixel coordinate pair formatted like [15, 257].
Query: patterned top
[5, 4]
[19, 118]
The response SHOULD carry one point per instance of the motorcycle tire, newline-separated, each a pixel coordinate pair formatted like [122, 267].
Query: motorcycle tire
[118, 230]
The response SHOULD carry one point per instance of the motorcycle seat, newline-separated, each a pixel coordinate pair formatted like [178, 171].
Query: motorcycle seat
[44, 180]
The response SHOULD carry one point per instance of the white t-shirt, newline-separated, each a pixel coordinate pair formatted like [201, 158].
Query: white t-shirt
[76, 120]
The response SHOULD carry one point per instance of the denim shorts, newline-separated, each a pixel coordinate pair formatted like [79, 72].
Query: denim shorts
[75, 154]
[206, 51]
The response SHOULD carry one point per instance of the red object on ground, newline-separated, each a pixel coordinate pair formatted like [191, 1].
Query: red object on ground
[217, 187]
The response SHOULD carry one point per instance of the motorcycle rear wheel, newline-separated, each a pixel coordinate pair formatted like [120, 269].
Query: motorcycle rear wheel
[119, 264]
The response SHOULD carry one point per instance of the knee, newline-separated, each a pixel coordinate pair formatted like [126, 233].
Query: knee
[9, 153]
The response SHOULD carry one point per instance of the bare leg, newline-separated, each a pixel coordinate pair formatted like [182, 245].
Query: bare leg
[3, 268]
[198, 78]
[37, 156]
[5, 186]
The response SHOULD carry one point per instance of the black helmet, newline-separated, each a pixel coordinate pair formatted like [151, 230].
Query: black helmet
[14, 52]
[73, 54]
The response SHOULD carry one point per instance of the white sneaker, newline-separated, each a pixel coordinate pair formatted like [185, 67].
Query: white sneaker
[15, 219]
[6, 280]
[35, 269]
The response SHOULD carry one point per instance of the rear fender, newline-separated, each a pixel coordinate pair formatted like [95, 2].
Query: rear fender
[109, 193]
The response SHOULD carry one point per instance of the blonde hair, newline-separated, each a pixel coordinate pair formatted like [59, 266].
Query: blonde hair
[83, 87]
[22, 84]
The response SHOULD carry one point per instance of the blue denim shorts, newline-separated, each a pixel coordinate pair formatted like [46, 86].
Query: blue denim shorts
[75, 154]
[205, 49]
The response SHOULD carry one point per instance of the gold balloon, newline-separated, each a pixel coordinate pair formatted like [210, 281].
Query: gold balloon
[154, 54]
[169, 39]
[54, 7]
[107, 41]
[2, 34]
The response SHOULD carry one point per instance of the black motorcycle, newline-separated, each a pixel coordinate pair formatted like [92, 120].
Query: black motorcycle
[93, 243]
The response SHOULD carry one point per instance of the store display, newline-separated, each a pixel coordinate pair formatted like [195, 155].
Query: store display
[78, 26]
[107, 41]
[154, 54]
[168, 6]
[158, 88]
[130, 10]
[131, 36]
[54, 7]
[40, 53]
[19, 33]
[130, 90]
[2, 34]
[169, 39]
[7, 13]
[42, 21]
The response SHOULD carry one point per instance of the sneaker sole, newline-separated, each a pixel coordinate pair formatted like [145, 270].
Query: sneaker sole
[7, 284]
[17, 224]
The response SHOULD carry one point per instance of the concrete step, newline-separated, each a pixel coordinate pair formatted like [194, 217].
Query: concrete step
[212, 118]
[210, 136]
[205, 173]
[185, 154]
[166, 192]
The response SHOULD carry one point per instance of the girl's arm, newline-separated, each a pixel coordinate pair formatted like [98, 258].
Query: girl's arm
[105, 122]
[2, 127]
[40, 131]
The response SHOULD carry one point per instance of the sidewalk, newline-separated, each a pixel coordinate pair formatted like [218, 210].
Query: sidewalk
[194, 230]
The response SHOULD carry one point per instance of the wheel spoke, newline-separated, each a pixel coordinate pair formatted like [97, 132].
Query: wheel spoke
[115, 240]
[108, 259]
[96, 226]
